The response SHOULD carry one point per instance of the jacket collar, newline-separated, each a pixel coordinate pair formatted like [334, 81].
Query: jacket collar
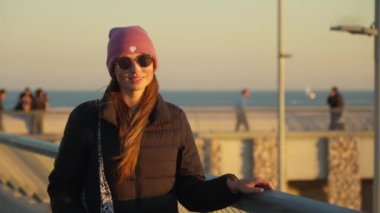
[160, 112]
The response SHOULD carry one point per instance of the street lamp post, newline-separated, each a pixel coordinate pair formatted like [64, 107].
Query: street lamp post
[376, 175]
[281, 106]
[281, 126]
[372, 31]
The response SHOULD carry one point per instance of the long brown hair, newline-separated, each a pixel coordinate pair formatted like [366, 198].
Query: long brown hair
[131, 127]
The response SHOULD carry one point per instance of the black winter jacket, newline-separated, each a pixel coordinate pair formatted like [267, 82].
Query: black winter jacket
[335, 101]
[168, 169]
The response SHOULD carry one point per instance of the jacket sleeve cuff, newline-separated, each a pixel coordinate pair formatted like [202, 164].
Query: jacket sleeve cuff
[230, 197]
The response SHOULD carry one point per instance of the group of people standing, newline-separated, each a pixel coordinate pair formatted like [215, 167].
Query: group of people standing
[38, 103]
[27, 102]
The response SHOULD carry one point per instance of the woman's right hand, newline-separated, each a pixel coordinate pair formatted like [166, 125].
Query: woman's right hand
[253, 185]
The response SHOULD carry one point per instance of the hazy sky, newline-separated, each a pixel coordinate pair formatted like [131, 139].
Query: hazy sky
[201, 44]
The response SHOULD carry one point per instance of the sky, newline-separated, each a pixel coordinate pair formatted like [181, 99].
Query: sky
[201, 44]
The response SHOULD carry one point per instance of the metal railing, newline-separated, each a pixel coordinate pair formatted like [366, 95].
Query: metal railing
[269, 201]
[35, 146]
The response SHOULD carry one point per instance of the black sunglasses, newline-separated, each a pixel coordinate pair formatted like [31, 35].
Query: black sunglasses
[142, 60]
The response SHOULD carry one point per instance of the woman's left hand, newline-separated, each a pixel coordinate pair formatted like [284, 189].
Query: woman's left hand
[254, 185]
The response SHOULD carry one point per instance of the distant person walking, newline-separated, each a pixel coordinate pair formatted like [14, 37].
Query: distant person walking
[39, 105]
[336, 103]
[241, 118]
[3, 94]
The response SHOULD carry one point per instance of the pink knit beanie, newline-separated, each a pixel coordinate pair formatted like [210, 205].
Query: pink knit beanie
[126, 40]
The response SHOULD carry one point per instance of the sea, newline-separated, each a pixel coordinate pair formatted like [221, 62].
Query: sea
[198, 99]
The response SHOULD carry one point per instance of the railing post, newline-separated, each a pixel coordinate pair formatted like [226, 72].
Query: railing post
[265, 159]
[216, 157]
[247, 158]
[344, 184]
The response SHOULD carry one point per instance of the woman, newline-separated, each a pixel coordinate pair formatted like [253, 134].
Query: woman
[132, 151]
